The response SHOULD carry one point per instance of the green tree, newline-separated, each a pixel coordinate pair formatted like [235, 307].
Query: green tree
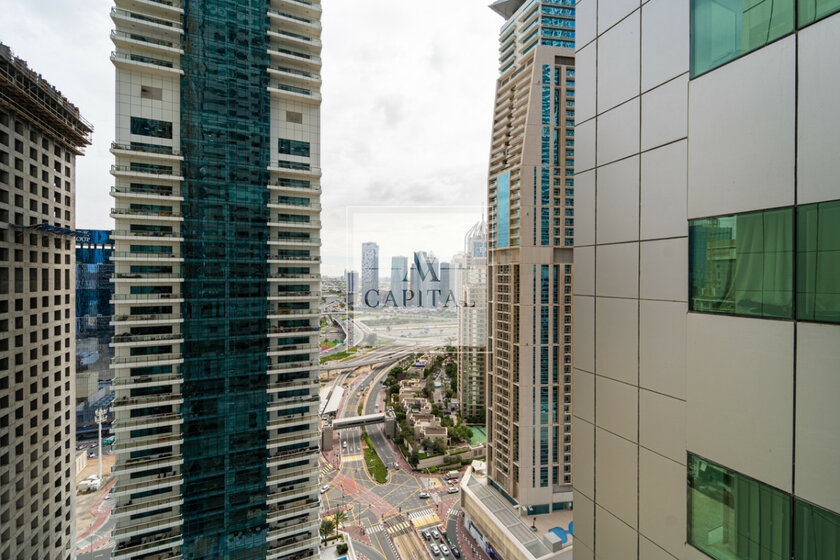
[339, 517]
[413, 459]
[327, 527]
[438, 445]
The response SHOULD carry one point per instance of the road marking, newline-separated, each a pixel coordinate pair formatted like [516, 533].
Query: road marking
[424, 517]
[351, 458]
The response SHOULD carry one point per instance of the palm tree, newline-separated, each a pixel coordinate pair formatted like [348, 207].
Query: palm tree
[339, 517]
[327, 527]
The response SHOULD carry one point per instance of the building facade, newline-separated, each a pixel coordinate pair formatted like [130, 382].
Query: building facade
[217, 266]
[41, 133]
[94, 307]
[472, 325]
[399, 281]
[370, 275]
[706, 300]
[529, 270]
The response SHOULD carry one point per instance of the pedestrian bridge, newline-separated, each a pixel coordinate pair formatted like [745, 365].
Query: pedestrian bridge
[358, 421]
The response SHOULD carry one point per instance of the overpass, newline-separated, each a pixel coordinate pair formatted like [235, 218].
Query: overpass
[358, 421]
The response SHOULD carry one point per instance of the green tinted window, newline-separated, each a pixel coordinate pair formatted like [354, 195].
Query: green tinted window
[818, 262]
[723, 30]
[743, 264]
[817, 532]
[812, 10]
[732, 517]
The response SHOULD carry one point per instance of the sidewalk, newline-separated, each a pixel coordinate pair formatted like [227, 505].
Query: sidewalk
[469, 548]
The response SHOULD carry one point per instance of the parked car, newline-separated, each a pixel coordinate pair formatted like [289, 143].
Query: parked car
[424, 495]
[435, 549]
[455, 552]
[444, 550]
[427, 535]
[435, 534]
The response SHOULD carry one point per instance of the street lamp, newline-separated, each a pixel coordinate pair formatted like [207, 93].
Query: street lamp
[100, 416]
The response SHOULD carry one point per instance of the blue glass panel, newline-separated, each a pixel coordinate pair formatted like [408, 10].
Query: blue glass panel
[503, 210]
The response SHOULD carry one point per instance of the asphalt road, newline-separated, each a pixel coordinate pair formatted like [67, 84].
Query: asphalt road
[367, 502]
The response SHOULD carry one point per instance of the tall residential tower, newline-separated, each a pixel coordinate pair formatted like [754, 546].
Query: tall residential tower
[217, 278]
[41, 133]
[530, 235]
[370, 274]
[707, 308]
[472, 324]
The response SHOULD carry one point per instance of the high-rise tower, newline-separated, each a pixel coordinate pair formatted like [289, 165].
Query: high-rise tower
[472, 324]
[370, 275]
[530, 235]
[217, 278]
[41, 133]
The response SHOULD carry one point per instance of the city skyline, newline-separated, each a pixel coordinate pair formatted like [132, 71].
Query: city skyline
[413, 104]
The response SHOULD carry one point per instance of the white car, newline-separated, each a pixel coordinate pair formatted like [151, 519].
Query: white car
[324, 488]
[452, 490]
[424, 495]
[435, 549]
[444, 550]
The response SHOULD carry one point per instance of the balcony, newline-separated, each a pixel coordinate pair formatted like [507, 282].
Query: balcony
[168, 7]
[130, 508]
[284, 547]
[151, 319]
[278, 331]
[296, 187]
[291, 420]
[149, 545]
[158, 216]
[129, 403]
[280, 386]
[125, 256]
[283, 278]
[128, 340]
[146, 151]
[143, 43]
[296, 296]
[126, 445]
[166, 195]
[146, 463]
[285, 19]
[148, 173]
[290, 224]
[131, 235]
[278, 404]
[293, 259]
[146, 64]
[151, 421]
[148, 298]
[122, 532]
[130, 21]
[295, 40]
[292, 349]
[292, 93]
[135, 278]
[286, 313]
[296, 241]
[277, 513]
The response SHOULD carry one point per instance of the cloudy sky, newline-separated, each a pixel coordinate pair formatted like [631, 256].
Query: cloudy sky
[408, 96]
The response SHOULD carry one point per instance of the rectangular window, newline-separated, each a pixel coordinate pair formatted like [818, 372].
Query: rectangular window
[742, 264]
[818, 262]
[732, 517]
[723, 30]
[151, 127]
[816, 532]
[813, 10]
[293, 147]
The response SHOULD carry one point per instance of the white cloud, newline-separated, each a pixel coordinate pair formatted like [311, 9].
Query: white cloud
[408, 95]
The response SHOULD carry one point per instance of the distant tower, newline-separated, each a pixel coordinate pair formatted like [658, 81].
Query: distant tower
[399, 279]
[472, 324]
[370, 274]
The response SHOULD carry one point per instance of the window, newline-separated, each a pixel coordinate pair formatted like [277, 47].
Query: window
[154, 93]
[723, 30]
[294, 117]
[733, 517]
[151, 127]
[816, 532]
[293, 147]
[818, 262]
[812, 10]
[742, 264]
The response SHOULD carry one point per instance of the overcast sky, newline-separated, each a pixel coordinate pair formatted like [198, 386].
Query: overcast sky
[408, 97]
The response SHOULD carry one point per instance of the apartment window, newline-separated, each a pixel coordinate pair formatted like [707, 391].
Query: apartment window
[813, 10]
[151, 127]
[294, 117]
[723, 30]
[293, 147]
[816, 532]
[818, 262]
[742, 264]
[734, 517]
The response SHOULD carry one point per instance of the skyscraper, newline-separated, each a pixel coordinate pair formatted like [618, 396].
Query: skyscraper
[41, 133]
[706, 300]
[370, 274]
[530, 234]
[445, 285]
[399, 281]
[217, 278]
[472, 324]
